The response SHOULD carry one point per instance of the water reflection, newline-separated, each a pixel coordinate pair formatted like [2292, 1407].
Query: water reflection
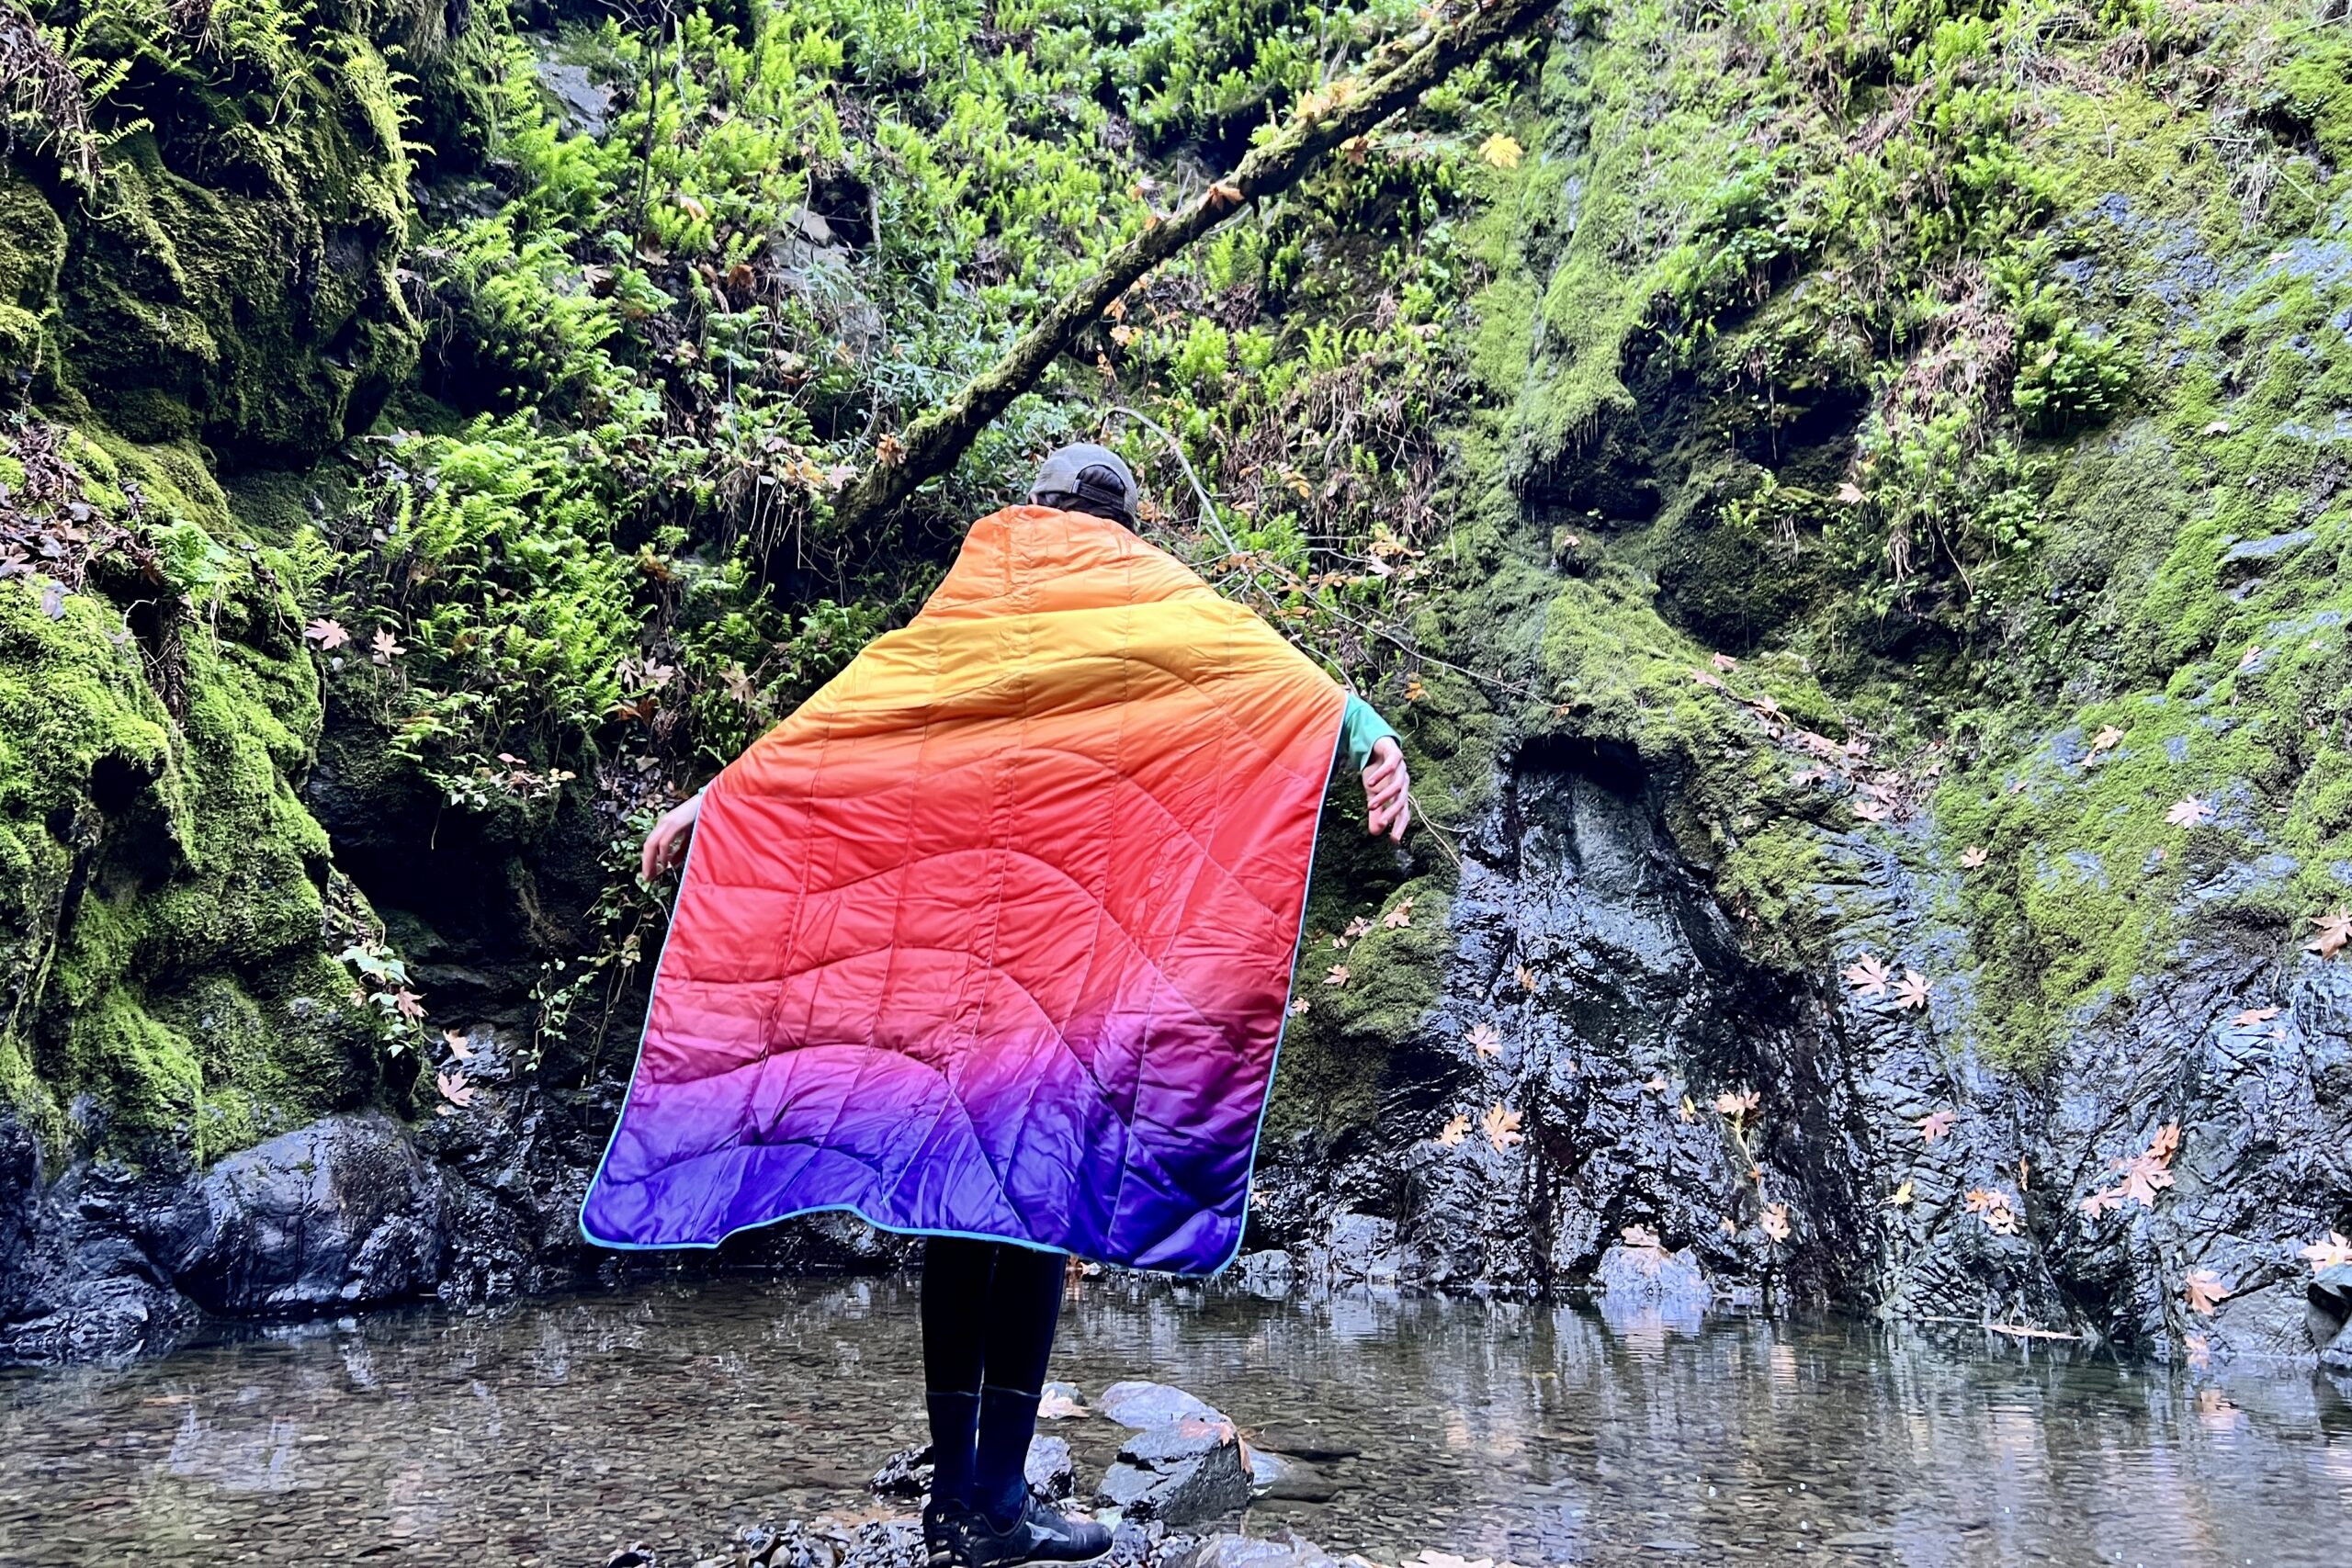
[550, 1432]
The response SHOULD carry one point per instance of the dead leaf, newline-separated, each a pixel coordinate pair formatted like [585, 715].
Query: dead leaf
[458, 1046]
[2144, 1174]
[1775, 1221]
[1995, 1208]
[1867, 976]
[1937, 1124]
[2334, 1252]
[2107, 1200]
[1502, 151]
[2335, 932]
[1738, 1102]
[1400, 916]
[1871, 810]
[1708, 678]
[1453, 1131]
[2188, 811]
[1912, 990]
[1641, 1238]
[409, 1005]
[1526, 978]
[383, 650]
[1973, 856]
[1851, 493]
[2107, 739]
[329, 635]
[1299, 1008]
[1487, 1040]
[454, 1086]
[1722, 661]
[1688, 1110]
[1357, 927]
[2204, 1291]
[1338, 976]
[2253, 652]
[2253, 1016]
[1501, 1126]
[1901, 1196]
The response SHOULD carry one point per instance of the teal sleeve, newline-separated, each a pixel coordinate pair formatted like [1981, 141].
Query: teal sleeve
[1361, 729]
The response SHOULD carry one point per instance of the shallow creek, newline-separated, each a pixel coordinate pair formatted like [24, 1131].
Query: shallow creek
[551, 1431]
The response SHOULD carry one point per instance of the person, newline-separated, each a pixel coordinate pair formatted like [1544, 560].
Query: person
[990, 1306]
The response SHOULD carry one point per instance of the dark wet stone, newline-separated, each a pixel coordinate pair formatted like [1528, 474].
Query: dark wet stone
[1286, 1480]
[906, 1473]
[1303, 1439]
[1180, 1472]
[1051, 1473]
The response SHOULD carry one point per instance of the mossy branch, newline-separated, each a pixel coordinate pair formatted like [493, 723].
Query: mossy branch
[1399, 73]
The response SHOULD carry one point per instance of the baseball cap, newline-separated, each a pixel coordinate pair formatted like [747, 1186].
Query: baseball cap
[1087, 477]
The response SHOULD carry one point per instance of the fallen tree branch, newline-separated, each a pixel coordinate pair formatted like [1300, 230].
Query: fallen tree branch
[1399, 73]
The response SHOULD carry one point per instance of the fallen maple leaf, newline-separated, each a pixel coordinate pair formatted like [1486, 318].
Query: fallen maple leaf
[1688, 1110]
[2253, 1016]
[327, 634]
[454, 1087]
[1338, 976]
[1901, 1196]
[1400, 916]
[1867, 976]
[1502, 151]
[2335, 932]
[2332, 1253]
[1298, 1007]
[2188, 811]
[2203, 1289]
[1501, 1126]
[1870, 810]
[1708, 678]
[1912, 990]
[1937, 1124]
[2253, 652]
[409, 1005]
[1487, 1040]
[1973, 856]
[1850, 493]
[2144, 1174]
[383, 650]
[1723, 661]
[1775, 1221]
[1453, 1131]
[1355, 928]
[459, 1047]
[2166, 1143]
[1526, 977]
[2105, 1201]
[1641, 1238]
[1738, 1102]
[1056, 1406]
[2105, 739]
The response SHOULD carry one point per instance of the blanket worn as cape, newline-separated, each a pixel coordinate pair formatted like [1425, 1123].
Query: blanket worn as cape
[993, 936]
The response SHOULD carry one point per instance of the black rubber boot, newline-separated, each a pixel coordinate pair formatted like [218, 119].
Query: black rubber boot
[1039, 1535]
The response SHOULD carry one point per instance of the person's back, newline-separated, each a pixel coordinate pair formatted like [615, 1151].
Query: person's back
[993, 947]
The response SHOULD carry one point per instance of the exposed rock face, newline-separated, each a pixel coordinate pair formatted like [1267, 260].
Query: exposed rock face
[1642, 996]
[1179, 1473]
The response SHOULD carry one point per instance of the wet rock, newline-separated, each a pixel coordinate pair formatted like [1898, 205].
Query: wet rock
[1650, 1274]
[1153, 1405]
[1062, 1402]
[1286, 1480]
[1051, 1472]
[1267, 1273]
[583, 108]
[1180, 1472]
[344, 1213]
[906, 1473]
[1303, 1439]
[1284, 1549]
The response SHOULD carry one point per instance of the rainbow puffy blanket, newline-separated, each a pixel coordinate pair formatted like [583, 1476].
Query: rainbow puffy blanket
[993, 937]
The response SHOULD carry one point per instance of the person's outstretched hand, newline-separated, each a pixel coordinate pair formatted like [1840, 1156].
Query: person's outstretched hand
[1387, 799]
[668, 839]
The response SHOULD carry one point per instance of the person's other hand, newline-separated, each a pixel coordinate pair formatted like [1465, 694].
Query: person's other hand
[1387, 790]
[668, 839]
